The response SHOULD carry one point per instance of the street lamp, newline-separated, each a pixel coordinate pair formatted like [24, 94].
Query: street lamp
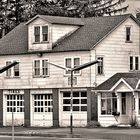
[80, 67]
[3, 69]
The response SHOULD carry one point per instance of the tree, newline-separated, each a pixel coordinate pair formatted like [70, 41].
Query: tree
[79, 8]
[12, 12]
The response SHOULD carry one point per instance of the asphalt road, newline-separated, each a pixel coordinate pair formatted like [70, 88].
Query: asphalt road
[40, 138]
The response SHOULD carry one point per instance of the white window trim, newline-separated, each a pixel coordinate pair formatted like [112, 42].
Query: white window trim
[41, 35]
[72, 58]
[41, 75]
[134, 56]
[131, 32]
[12, 69]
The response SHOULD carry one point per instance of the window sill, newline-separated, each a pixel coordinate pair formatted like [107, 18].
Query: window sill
[43, 42]
[41, 76]
[128, 42]
[13, 77]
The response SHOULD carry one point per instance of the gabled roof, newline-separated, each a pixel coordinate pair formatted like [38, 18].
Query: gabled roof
[131, 79]
[83, 39]
[58, 20]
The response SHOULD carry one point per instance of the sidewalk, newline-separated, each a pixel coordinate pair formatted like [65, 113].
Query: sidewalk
[87, 133]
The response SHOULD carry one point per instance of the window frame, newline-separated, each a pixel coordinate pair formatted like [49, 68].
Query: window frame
[75, 104]
[41, 34]
[40, 68]
[12, 70]
[130, 34]
[72, 65]
[106, 98]
[100, 74]
[133, 64]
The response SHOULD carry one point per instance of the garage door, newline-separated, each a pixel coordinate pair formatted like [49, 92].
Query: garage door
[42, 110]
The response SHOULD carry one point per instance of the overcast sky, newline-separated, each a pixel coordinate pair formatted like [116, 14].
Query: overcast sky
[133, 5]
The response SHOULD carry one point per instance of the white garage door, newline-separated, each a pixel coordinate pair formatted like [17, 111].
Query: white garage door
[79, 108]
[15, 102]
[42, 110]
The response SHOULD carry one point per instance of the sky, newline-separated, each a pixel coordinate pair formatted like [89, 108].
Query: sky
[133, 5]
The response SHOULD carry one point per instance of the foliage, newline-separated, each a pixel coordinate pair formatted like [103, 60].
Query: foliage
[13, 12]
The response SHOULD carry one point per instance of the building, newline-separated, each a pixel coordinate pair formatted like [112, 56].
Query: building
[40, 93]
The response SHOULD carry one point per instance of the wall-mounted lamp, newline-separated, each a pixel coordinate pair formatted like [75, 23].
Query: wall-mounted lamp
[40, 54]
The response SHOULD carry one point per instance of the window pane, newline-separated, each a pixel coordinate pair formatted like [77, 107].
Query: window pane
[37, 67]
[66, 108]
[45, 33]
[83, 108]
[76, 63]
[83, 94]
[75, 101]
[100, 66]
[75, 94]
[66, 94]
[66, 101]
[68, 64]
[128, 33]
[136, 63]
[16, 70]
[8, 72]
[37, 34]
[75, 108]
[131, 63]
[109, 106]
[83, 101]
[45, 67]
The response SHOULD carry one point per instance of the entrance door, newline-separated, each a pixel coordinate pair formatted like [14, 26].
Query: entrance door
[42, 110]
[127, 102]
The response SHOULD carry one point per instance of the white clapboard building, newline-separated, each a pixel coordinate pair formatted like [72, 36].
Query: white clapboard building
[39, 93]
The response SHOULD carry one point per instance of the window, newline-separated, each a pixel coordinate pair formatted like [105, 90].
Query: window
[108, 103]
[12, 72]
[72, 63]
[139, 102]
[43, 103]
[41, 33]
[79, 101]
[134, 63]
[100, 70]
[15, 102]
[128, 34]
[123, 103]
[40, 68]
[45, 33]
[37, 34]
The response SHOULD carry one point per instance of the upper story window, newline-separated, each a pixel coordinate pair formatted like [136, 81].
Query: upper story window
[40, 34]
[12, 72]
[134, 63]
[128, 34]
[40, 68]
[72, 63]
[100, 66]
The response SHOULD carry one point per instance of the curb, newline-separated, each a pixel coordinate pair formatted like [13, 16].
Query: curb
[43, 134]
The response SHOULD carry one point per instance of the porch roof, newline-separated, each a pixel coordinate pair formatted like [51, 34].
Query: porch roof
[131, 78]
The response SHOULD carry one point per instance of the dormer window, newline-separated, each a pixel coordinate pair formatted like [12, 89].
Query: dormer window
[37, 34]
[40, 34]
[45, 33]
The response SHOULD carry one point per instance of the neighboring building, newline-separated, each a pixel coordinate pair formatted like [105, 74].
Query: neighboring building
[40, 93]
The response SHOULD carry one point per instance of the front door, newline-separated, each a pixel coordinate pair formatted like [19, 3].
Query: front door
[42, 110]
[127, 107]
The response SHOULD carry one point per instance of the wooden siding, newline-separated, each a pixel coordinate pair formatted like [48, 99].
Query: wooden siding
[116, 51]
[56, 78]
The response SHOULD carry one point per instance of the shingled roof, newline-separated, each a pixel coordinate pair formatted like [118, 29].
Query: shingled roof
[91, 31]
[131, 78]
